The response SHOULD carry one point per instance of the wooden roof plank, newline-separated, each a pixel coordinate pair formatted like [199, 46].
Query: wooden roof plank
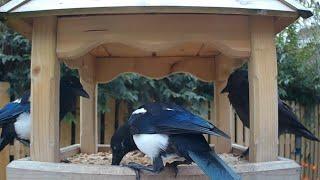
[11, 5]
[67, 7]
[303, 12]
[36, 5]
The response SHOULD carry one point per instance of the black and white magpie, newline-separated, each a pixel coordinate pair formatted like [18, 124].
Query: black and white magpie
[238, 89]
[15, 116]
[168, 131]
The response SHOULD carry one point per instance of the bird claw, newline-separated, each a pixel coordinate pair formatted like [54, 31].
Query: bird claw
[137, 172]
[174, 166]
[244, 155]
[133, 166]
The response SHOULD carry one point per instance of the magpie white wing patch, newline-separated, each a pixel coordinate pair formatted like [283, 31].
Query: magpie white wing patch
[151, 144]
[140, 111]
[168, 109]
[23, 126]
[17, 101]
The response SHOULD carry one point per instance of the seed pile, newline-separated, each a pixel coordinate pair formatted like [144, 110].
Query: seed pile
[105, 158]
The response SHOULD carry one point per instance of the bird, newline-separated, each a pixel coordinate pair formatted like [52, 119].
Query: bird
[238, 94]
[168, 131]
[15, 118]
[121, 143]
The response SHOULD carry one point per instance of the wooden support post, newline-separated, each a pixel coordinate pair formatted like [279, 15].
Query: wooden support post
[45, 82]
[65, 134]
[222, 108]
[88, 107]
[223, 117]
[263, 91]
[123, 112]
[4, 154]
[109, 121]
[77, 124]
[239, 132]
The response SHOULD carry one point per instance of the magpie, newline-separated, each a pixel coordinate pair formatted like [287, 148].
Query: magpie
[238, 93]
[15, 116]
[166, 131]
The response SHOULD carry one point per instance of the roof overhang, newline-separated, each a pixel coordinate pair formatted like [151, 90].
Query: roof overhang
[34, 8]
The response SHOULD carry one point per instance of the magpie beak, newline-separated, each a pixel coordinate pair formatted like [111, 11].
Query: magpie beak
[82, 93]
[116, 158]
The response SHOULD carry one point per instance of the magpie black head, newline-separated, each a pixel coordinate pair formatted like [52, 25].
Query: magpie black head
[121, 143]
[235, 80]
[73, 84]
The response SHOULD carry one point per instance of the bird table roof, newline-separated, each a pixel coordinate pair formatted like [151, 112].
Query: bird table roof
[139, 35]
[70, 7]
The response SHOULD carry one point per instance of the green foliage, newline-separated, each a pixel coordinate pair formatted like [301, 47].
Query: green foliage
[15, 55]
[298, 61]
[70, 118]
[182, 89]
[14, 61]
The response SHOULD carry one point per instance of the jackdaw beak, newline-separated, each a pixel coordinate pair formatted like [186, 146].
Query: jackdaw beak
[81, 92]
[225, 90]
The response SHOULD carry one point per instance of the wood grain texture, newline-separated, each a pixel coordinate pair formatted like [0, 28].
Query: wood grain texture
[109, 68]
[88, 107]
[239, 128]
[65, 134]
[223, 111]
[233, 128]
[213, 139]
[122, 50]
[223, 116]
[99, 51]
[4, 154]
[224, 66]
[45, 82]
[21, 26]
[69, 151]
[88, 120]
[123, 113]
[281, 146]
[109, 118]
[20, 150]
[153, 34]
[29, 170]
[77, 129]
[263, 91]
[246, 136]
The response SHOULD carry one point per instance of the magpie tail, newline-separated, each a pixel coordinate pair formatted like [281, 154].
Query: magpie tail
[220, 133]
[3, 143]
[214, 167]
[7, 136]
